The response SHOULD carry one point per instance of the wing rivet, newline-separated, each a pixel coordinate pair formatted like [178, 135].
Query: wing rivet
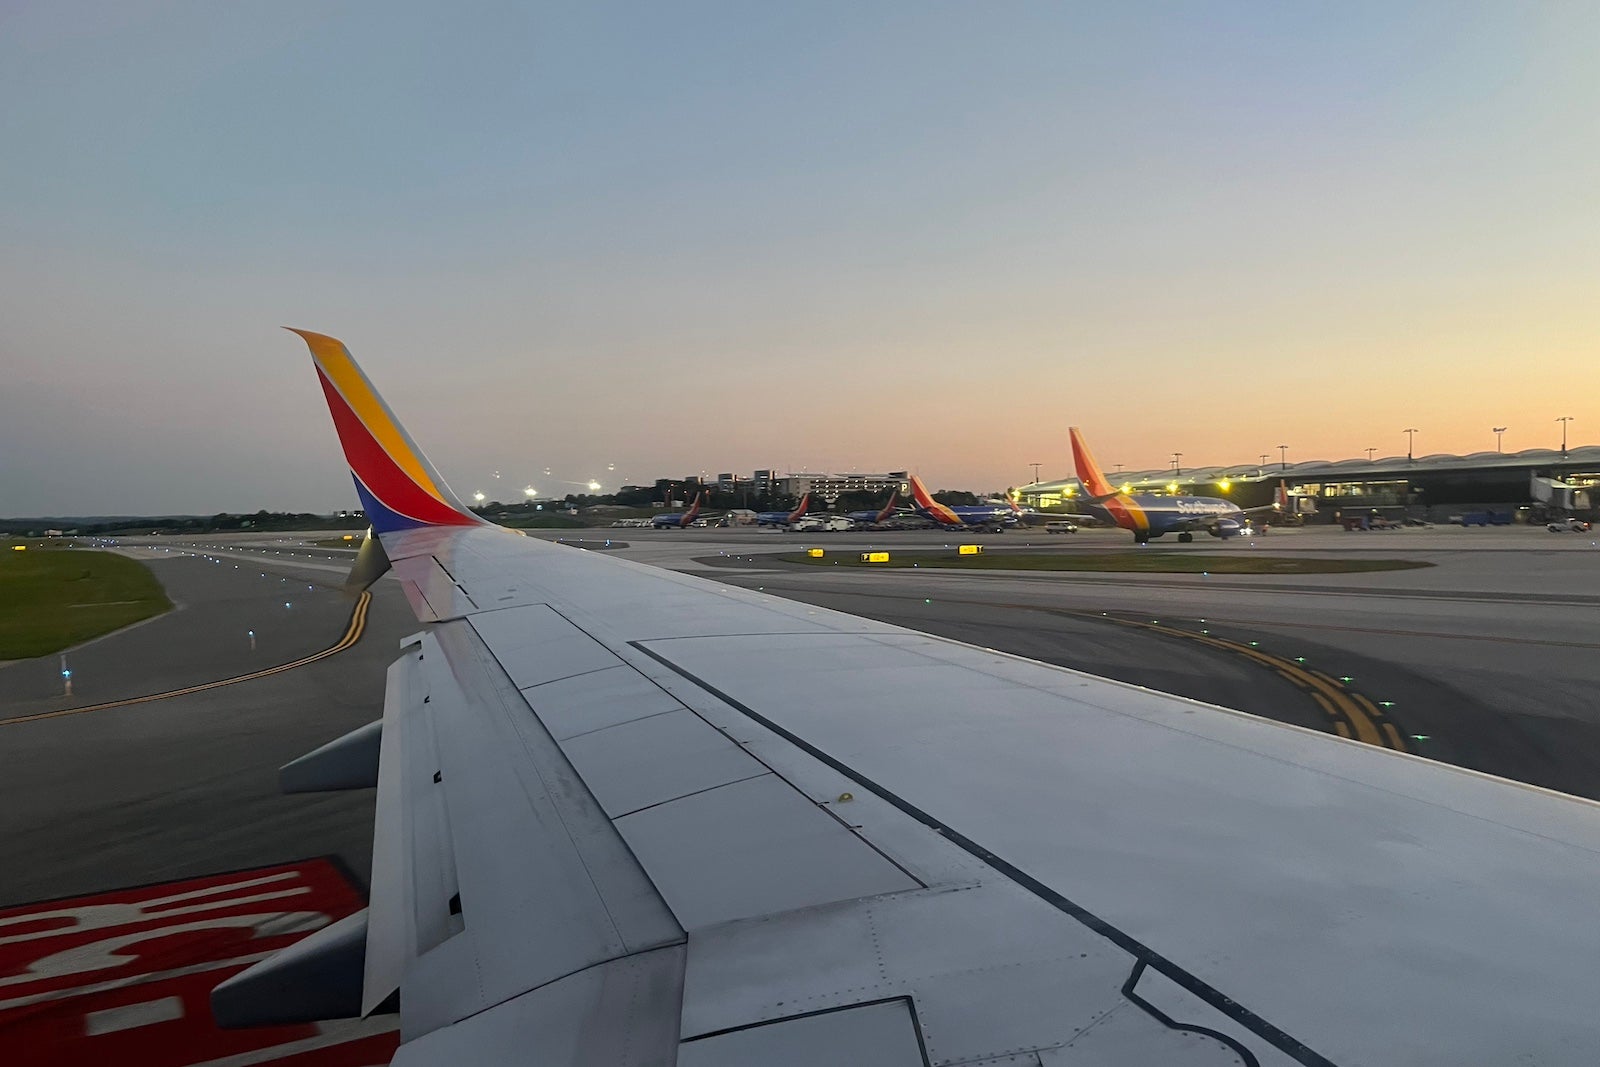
[845, 797]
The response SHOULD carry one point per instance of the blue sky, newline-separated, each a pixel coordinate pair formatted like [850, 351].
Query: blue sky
[624, 241]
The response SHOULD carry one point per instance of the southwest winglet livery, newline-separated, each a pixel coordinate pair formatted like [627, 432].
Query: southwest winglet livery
[785, 518]
[983, 516]
[1148, 515]
[673, 520]
[397, 485]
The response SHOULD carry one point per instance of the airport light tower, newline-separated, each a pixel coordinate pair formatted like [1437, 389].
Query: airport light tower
[1411, 436]
[1036, 467]
[1283, 457]
[1369, 452]
[1498, 431]
[1563, 420]
[1177, 469]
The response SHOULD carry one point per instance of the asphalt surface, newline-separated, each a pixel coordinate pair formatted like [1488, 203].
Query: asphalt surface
[1488, 659]
[187, 785]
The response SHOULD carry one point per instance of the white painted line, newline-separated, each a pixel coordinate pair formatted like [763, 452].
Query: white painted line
[129, 1016]
[134, 979]
[333, 1033]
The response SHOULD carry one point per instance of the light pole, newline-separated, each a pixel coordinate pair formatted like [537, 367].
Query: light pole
[1411, 435]
[1177, 469]
[1563, 420]
[1264, 458]
[1369, 452]
[1036, 467]
[1498, 430]
[1283, 457]
[1119, 468]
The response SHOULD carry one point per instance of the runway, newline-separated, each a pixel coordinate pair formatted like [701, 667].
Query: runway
[144, 790]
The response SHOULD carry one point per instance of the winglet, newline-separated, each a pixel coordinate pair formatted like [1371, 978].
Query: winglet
[398, 487]
[1089, 472]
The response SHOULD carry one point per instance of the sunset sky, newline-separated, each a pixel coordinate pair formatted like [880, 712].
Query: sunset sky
[629, 241]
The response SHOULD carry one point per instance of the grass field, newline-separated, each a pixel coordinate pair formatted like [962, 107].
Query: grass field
[1135, 562]
[52, 599]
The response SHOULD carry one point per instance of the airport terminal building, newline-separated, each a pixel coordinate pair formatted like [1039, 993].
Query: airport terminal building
[1530, 485]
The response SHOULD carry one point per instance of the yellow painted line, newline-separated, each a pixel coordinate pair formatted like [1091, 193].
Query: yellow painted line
[352, 634]
[1363, 726]
[1320, 684]
[1339, 703]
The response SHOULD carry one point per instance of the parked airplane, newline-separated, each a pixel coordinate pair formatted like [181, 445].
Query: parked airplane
[673, 520]
[1149, 515]
[991, 517]
[878, 517]
[629, 816]
[784, 518]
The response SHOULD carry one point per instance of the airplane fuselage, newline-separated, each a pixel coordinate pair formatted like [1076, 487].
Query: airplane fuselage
[981, 515]
[1148, 515]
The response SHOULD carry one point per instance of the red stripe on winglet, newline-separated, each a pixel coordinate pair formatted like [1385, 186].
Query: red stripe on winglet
[367, 459]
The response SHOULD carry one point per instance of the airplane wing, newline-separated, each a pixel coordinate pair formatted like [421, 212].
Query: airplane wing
[628, 816]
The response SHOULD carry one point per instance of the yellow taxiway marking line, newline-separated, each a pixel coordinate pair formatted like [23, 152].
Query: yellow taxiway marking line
[1350, 713]
[352, 634]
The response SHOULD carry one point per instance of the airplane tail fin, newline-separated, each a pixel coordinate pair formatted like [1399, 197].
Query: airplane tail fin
[694, 509]
[1089, 472]
[398, 487]
[799, 512]
[888, 509]
[931, 507]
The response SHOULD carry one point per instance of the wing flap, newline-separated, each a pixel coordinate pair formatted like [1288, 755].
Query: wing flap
[622, 1013]
[753, 848]
[495, 870]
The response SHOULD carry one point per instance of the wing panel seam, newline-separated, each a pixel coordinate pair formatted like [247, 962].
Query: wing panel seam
[1279, 1039]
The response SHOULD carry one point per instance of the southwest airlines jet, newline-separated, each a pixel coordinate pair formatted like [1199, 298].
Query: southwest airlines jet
[634, 818]
[991, 517]
[784, 518]
[878, 517]
[676, 520]
[1148, 515]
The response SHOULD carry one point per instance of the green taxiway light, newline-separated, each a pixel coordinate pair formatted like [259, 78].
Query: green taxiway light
[1385, 703]
[1420, 737]
[1299, 659]
[1346, 678]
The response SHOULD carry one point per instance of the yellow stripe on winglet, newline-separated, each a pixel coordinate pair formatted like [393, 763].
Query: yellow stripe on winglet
[334, 359]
